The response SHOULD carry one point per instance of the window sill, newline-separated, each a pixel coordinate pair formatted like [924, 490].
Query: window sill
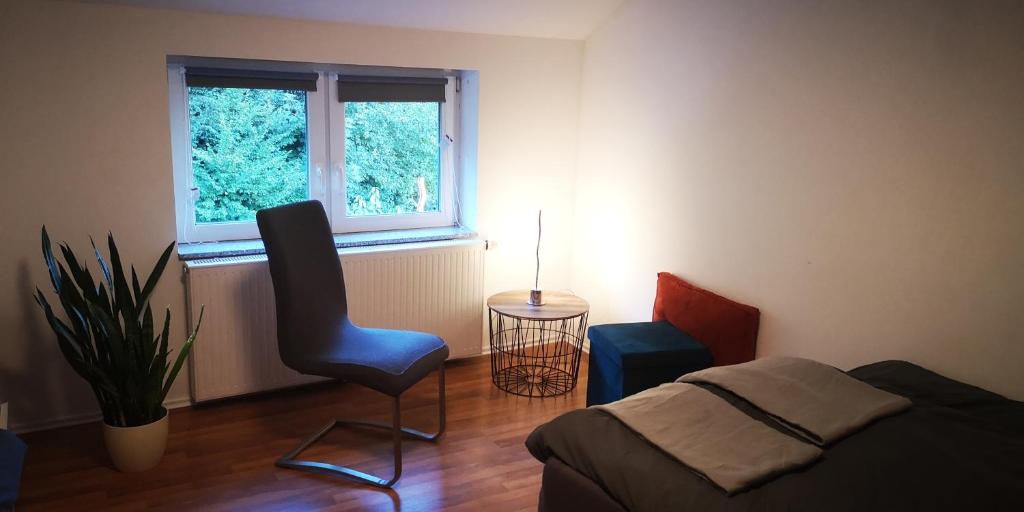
[206, 250]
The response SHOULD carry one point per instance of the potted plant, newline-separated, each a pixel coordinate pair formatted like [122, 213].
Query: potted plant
[108, 338]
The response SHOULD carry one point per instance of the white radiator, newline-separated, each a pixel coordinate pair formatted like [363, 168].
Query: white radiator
[436, 288]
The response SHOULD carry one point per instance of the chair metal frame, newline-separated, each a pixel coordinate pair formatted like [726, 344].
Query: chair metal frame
[290, 461]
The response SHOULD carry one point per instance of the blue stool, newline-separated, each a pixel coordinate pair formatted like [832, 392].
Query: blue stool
[12, 453]
[629, 358]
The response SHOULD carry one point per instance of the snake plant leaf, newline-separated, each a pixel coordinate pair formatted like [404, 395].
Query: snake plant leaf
[154, 276]
[121, 295]
[148, 343]
[74, 307]
[51, 262]
[73, 303]
[143, 340]
[185, 349]
[103, 300]
[136, 289]
[158, 367]
[160, 359]
[64, 337]
[111, 332]
[104, 269]
[80, 324]
[83, 278]
[69, 294]
[123, 302]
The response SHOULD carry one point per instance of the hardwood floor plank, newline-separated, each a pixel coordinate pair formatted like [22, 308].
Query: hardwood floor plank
[220, 457]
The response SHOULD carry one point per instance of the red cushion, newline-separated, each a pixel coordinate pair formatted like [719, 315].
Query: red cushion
[727, 328]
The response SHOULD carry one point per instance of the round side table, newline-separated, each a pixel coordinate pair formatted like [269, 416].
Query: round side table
[536, 350]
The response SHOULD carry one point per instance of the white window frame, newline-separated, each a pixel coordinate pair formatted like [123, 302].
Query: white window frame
[325, 142]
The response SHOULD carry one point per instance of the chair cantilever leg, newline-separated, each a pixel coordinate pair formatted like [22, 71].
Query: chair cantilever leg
[288, 460]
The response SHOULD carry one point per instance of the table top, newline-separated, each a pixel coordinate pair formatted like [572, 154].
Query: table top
[557, 305]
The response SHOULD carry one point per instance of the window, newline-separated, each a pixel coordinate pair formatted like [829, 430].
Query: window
[265, 130]
[381, 137]
[376, 151]
[392, 148]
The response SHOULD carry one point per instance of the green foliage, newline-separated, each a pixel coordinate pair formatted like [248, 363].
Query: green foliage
[389, 147]
[109, 338]
[248, 151]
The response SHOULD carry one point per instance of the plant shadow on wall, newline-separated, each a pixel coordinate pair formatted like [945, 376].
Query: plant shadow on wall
[33, 378]
[109, 339]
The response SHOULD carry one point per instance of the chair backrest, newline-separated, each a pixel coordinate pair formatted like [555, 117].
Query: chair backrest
[309, 287]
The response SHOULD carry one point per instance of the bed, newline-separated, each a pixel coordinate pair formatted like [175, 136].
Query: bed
[958, 448]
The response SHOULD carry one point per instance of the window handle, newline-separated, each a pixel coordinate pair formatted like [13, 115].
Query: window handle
[193, 194]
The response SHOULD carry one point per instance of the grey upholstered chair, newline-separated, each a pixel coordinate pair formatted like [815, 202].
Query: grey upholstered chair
[316, 337]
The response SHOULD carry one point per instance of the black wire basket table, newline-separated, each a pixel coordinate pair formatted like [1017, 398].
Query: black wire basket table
[536, 350]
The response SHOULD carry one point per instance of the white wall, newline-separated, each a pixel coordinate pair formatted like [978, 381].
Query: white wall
[854, 169]
[85, 148]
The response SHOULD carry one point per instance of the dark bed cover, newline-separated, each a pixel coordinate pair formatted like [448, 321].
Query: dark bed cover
[958, 448]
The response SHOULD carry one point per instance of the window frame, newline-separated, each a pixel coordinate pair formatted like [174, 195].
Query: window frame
[325, 166]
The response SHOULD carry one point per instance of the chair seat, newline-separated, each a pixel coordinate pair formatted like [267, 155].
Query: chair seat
[389, 361]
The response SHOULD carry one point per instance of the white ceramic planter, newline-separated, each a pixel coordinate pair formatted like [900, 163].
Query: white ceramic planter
[134, 449]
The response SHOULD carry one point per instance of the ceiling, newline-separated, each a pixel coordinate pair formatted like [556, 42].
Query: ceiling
[561, 19]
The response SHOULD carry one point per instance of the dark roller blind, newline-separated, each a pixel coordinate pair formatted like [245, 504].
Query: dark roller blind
[390, 88]
[250, 79]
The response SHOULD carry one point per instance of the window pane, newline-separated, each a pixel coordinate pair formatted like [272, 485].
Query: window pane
[392, 158]
[248, 151]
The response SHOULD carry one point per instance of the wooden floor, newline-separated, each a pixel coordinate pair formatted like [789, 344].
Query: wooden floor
[221, 456]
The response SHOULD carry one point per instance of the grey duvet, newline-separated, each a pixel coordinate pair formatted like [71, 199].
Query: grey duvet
[958, 448]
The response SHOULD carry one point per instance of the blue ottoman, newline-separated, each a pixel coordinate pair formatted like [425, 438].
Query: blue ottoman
[12, 453]
[629, 358]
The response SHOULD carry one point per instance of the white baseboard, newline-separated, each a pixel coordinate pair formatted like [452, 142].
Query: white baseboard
[78, 419]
